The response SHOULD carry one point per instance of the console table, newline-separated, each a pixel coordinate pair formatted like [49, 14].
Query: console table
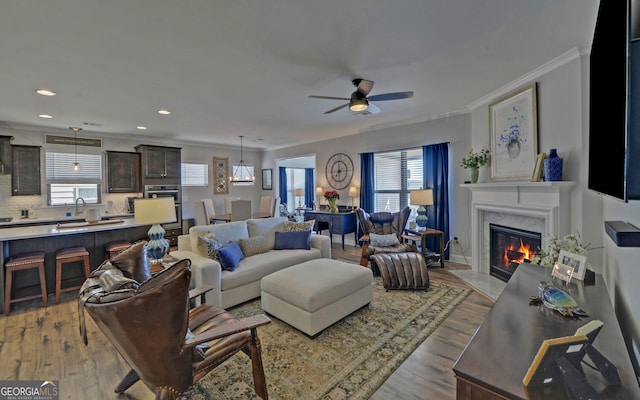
[499, 354]
[341, 223]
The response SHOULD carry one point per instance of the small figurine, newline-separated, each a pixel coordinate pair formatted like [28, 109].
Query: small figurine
[557, 300]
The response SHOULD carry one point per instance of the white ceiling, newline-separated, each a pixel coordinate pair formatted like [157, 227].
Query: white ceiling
[241, 67]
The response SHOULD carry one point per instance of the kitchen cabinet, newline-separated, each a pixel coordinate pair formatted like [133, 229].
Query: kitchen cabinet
[123, 172]
[25, 170]
[160, 165]
[5, 154]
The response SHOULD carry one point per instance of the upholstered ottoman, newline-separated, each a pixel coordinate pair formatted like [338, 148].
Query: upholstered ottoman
[315, 294]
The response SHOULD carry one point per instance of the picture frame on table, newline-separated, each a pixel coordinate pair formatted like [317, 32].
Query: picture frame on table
[537, 169]
[221, 175]
[577, 261]
[266, 179]
[513, 127]
[562, 271]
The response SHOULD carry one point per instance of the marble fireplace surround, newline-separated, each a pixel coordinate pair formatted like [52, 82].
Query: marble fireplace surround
[542, 207]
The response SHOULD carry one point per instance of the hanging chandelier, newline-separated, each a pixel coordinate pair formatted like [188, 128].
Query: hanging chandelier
[75, 165]
[242, 173]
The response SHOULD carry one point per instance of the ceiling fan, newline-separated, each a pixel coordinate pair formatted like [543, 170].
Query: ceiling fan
[359, 102]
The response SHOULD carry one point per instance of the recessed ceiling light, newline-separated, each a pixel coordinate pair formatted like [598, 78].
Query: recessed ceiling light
[164, 112]
[45, 92]
[45, 116]
[142, 128]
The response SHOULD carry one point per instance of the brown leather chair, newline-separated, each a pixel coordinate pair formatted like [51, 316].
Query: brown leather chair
[168, 346]
[382, 223]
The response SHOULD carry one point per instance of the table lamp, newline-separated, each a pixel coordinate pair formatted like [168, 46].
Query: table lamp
[353, 192]
[299, 193]
[155, 212]
[422, 198]
[319, 194]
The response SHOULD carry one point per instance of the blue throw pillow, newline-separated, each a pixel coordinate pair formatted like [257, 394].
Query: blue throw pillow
[230, 255]
[293, 240]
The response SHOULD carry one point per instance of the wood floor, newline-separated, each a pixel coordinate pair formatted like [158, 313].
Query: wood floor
[44, 344]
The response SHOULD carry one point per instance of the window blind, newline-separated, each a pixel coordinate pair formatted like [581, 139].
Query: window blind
[396, 173]
[195, 174]
[59, 167]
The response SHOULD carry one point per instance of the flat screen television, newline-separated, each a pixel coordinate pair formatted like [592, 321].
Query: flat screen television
[614, 103]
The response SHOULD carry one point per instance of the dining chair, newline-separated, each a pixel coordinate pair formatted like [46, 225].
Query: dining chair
[275, 212]
[209, 210]
[266, 206]
[228, 208]
[198, 208]
[241, 210]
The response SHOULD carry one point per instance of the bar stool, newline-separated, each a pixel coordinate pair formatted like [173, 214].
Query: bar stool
[21, 262]
[114, 248]
[69, 255]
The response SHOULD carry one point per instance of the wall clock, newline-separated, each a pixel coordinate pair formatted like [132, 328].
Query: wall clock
[339, 171]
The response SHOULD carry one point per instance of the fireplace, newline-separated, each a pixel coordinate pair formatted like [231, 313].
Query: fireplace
[508, 247]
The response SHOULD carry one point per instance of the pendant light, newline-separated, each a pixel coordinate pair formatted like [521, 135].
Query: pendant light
[241, 173]
[76, 164]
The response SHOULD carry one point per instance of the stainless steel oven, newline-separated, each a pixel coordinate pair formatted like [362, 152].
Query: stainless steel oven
[173, 191]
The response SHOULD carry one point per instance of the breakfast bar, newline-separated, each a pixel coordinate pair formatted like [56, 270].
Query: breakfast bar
[49, 238]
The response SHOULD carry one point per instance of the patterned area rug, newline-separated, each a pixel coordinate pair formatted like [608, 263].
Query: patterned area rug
[348, 360]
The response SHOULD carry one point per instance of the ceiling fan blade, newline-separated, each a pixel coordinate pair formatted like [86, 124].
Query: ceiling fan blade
[391, 96]
[337, 108]
[329, 98]
[364, 86]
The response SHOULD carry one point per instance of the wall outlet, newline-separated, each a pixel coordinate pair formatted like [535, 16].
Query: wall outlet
[455, 239]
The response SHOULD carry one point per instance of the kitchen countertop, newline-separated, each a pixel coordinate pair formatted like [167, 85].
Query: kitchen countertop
[54, 220]
[53, 230]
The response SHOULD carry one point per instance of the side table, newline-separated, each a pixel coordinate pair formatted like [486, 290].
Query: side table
[422, 235]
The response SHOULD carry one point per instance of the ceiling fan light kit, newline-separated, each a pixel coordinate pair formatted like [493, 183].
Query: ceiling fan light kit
[359, 102]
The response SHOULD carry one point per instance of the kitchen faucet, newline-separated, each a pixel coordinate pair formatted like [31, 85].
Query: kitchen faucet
[83, 204]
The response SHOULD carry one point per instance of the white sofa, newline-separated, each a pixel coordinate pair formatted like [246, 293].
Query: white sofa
[243, 284]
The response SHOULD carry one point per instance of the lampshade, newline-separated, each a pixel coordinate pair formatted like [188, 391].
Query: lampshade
[422, 197]
[299, 192]
[155, 212]
[354, 191]
[319, 191]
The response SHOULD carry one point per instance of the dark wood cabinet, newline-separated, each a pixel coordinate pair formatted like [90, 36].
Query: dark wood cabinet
[123, 172]
[25, 170]
[160, 164]
[5, 154]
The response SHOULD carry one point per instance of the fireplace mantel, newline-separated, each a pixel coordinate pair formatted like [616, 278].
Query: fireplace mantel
[546, 202]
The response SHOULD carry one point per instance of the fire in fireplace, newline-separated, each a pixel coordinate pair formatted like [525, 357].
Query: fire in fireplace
[508, 247]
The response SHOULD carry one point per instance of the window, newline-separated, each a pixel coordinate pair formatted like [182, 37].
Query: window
[295, 180]
[195, 174]
[247, 173]
[396, 173]
[65, 185]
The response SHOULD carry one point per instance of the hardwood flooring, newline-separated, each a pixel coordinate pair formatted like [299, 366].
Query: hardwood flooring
[44, 344]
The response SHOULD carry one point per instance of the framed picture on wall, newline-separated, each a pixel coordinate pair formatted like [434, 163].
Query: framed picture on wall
[221, 175]
[266, 179]
[513, 127]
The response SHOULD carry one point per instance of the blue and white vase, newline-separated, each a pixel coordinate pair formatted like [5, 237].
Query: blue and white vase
[553, 167]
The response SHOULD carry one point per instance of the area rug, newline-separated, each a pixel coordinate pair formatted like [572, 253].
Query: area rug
[348, 360]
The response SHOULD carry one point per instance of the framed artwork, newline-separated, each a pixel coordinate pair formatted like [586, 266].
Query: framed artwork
[266, 179]
[513, 127]
[221, 175]
[537, 168]
[577, 261]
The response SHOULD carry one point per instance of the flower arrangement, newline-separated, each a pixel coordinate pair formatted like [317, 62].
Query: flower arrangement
[549, 255]
[331, 194]
[475, 159]
[512, 131]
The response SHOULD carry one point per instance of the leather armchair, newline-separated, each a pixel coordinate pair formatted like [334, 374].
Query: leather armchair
[382, 223]
[168, 345]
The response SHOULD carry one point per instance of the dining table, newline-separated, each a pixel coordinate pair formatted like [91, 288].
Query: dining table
[227, 217]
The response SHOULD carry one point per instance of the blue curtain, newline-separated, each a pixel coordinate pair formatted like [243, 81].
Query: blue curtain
[367, 186]
[309, 186]
[435, 175]
[283, 184]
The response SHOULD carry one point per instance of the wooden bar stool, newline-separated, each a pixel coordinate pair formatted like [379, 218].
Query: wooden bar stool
[66, 256]
[114, 248]
[21, 262]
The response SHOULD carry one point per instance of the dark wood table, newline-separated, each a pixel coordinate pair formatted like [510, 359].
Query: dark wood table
[422, 235]
[498, 356]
